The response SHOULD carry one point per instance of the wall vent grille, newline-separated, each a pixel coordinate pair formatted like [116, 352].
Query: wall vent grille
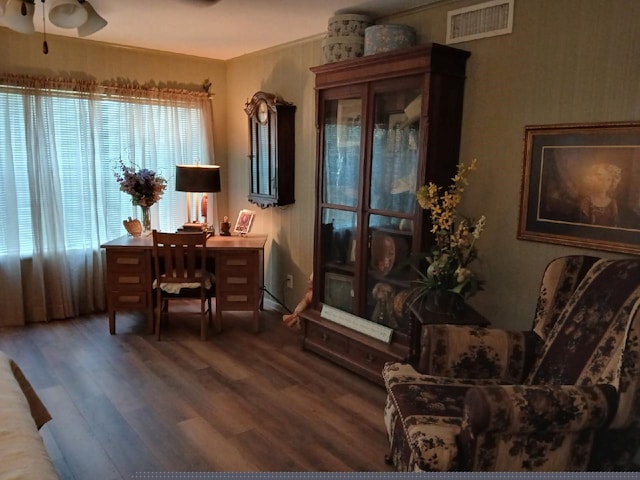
[486, 19]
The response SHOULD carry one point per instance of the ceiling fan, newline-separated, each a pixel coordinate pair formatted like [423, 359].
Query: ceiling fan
[18, 15]
[201, 2]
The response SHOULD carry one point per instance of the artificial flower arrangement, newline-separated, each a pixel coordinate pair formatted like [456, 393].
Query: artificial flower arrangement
[145, 187]
[455, 242]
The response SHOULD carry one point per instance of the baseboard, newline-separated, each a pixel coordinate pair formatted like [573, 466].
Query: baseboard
[273, 306]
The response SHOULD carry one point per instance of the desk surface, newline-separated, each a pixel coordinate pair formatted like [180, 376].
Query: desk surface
[216, 242]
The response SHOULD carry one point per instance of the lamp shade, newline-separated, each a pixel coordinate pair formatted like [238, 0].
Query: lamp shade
[94, 22]
[198, 178]
[67, 13]
[14, 19]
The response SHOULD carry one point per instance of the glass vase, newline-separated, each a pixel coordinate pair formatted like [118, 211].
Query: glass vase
[146, 220]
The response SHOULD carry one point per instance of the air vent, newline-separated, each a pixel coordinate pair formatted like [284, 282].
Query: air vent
[486, 19]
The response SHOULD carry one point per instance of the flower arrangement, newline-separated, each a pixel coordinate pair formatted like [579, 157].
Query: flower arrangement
[455, 239]
[145, 186]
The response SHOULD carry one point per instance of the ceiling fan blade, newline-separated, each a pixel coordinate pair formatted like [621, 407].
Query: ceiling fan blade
[200, 2]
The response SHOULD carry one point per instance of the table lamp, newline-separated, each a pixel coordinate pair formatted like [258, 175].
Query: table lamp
[195, 179]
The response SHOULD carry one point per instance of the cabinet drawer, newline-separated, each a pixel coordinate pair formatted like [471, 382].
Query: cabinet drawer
[369, 358]
[326, 338]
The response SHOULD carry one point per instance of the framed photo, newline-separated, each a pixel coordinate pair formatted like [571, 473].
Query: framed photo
[244, 221]
[581, 186]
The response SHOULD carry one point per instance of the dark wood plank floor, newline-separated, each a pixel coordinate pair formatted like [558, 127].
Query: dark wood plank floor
[239, 401]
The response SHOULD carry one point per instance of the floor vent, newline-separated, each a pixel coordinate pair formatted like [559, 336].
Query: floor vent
[486, 19]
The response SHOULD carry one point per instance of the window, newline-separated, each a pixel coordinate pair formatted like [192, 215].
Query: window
[81, 137]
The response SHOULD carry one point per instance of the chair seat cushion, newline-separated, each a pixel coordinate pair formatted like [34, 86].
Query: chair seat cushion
[176, 288]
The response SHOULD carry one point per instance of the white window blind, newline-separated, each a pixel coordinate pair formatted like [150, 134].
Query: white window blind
[154, 134]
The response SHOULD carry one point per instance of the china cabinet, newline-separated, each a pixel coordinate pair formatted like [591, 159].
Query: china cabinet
[386, 124]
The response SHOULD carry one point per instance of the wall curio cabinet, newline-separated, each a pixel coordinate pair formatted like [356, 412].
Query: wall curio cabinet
[386, 124]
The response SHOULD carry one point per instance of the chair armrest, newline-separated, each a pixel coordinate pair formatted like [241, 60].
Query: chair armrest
[530, 408]
[476, 352]
[396, 373]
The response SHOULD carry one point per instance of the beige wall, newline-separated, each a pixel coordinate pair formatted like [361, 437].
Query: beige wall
[283, 70]
[566, 61]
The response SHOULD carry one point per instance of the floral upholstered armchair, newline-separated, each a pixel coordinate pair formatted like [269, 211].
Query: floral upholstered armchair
[561, 397]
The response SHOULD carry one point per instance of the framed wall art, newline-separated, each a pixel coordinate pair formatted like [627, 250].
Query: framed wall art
[581, 186]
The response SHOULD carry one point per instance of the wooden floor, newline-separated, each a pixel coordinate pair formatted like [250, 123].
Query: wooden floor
[239, 401]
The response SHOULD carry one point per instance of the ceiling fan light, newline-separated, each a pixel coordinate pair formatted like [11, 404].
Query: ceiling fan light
[14, 19]
[67, 13]
[94, 22]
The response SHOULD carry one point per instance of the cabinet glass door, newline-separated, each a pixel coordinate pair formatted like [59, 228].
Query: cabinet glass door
[340, 196]
[392, 205]
[342, 136]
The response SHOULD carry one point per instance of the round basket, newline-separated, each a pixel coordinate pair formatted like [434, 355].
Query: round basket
[341, 48]
[384, 38]
[133, 227]
[348, 25]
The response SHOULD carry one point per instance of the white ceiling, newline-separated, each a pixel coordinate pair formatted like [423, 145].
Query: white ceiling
[220, 30]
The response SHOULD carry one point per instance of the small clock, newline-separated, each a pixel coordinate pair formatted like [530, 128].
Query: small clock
[263, 112]
[271, 150]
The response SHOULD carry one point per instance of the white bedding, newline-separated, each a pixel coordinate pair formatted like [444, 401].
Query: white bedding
[22, 451]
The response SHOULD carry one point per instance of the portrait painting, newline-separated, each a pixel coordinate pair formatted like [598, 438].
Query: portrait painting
[581, 186]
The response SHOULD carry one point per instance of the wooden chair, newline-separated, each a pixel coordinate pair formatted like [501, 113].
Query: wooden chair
[180, 265]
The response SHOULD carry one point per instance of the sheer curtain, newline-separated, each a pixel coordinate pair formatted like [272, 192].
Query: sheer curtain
[59, 201]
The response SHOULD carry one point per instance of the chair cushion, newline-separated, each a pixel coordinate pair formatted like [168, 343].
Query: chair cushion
[175, 288]
[476, 352]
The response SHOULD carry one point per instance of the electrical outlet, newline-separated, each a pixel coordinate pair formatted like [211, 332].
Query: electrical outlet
[289, 281]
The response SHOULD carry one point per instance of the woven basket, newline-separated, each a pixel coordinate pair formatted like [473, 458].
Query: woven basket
[133, 226]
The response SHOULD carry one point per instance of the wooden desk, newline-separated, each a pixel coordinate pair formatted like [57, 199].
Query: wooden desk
[239, 275]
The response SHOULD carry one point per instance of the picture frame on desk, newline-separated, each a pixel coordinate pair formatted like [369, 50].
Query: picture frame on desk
[244, 222]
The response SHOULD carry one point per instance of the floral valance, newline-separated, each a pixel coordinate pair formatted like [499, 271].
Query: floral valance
[117, 87]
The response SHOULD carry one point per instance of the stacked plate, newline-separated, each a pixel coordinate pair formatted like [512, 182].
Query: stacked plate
[345, 37]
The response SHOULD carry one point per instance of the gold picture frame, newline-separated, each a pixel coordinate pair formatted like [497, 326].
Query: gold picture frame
[580, 186]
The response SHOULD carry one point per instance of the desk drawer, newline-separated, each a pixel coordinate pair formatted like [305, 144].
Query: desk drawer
[236, 300]
[242, 279]
[232, 262]
[125, 261]
[130, 299]
[124, 281]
